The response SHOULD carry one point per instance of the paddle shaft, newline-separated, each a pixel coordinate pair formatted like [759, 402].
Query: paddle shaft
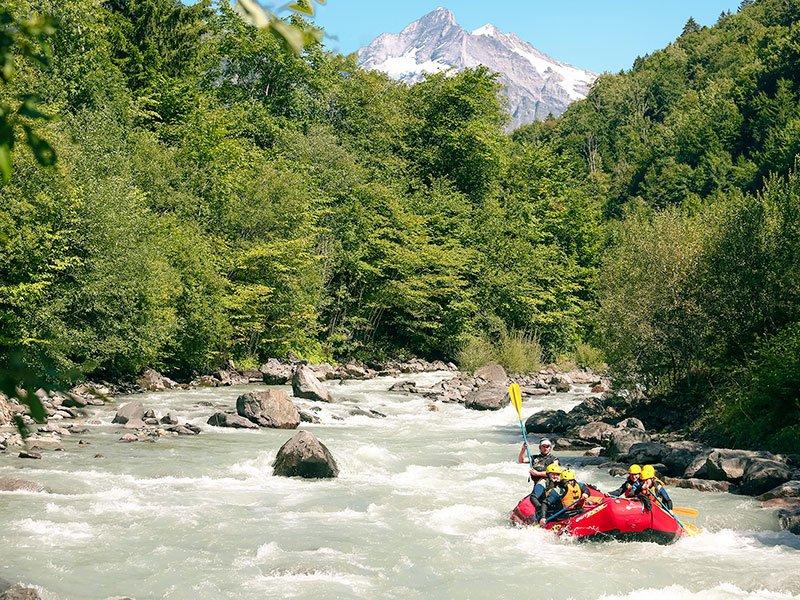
[525, 439]
[562, 511]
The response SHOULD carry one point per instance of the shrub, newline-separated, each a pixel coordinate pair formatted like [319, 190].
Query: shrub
[518, 352]
[589, 357]
[475, 353]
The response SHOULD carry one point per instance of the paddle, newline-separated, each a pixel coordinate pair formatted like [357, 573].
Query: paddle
[562, 511]
[516, 399]
[689, 528]
[685, 511]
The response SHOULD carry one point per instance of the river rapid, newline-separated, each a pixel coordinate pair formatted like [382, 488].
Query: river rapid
[419, 510]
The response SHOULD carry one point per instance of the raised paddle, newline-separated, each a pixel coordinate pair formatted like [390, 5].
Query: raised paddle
[515, 394]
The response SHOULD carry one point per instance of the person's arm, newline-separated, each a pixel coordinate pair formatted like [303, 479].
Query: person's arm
[584, 491]
[522, 458]
[619, 491]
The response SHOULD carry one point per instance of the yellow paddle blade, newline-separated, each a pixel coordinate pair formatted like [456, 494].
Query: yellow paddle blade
[692, 529]
[516, 398]
[685, 511]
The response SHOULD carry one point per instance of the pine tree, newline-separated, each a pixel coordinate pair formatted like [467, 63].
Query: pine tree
[691, 26]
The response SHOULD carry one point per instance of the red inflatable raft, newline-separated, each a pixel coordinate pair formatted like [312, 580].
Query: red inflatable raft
[604, 517]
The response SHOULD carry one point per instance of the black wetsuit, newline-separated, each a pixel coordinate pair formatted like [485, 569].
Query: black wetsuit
[539, 462]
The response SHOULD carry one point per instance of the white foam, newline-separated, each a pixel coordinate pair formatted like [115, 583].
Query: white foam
[724, 591]
[51, 533]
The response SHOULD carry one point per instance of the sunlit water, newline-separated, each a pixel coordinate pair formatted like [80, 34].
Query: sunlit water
[419, 510]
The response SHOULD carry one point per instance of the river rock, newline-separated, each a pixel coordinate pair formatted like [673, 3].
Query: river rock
[30, 454]
[492, 396]
[270, 408]
[789, 520]
[128, 438]
[621, 440]
[492, 373]
[306, 385]
[305, 456]
[561, 382]
[130, 411]
[17, 592]
[308, 417]
[15, 484]
[724, 464]
[547, 421]
[680, 455]
[6, 411]
[404, 386]
[631, 422]
[153, 381]
[221, 419]
[762, 475]
[643, 453]
[790, 489]
[276, 372]
[205, 381]
[701, 485]
[324, 371]
[596, 431]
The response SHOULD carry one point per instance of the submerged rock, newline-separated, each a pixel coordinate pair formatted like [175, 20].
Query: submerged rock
[305, 456]
[789, 520]
[17, 592]
[306, 385]
[270, 408]
[404, 386]
[14, 484]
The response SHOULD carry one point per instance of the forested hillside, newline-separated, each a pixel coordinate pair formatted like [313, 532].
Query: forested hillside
[217, 196]
[695, 149]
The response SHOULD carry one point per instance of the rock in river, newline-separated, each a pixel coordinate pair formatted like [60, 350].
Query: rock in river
[621, 440]
[15, 484]
[493, 373]
[305, 456]
[222, 419]
[270, 408]
[130, 411]
[492, 396]
[306, 385]
[547, 421]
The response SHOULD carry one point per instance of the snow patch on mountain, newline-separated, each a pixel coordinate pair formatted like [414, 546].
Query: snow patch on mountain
[535, 84]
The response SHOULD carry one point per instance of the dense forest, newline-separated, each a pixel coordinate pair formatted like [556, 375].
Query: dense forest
[216, 195]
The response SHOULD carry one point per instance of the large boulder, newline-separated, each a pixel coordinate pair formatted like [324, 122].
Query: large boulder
[646, 453]
[631, 422]
[492, 396]
[306, 385]
[680, 455]
[305, 456]
[270, 408]
[15, 484]
[222, 419]
[723, 464]
[276, 372]
[700, 485]
[547, 421]
[762, 475]
[129, 412]
[790, 489]
[621, 440]
[596, 431]
[324, 371]
[492, 373]
[153, 381]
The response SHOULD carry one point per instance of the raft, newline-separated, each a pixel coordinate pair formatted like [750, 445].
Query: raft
[607, 518]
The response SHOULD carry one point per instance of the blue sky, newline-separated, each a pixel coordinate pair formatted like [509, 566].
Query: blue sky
[600, 35]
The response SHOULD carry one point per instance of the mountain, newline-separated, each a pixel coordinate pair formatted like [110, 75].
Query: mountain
[535, 84]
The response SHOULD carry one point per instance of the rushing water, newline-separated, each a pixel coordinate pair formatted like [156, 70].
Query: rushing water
[419, 510]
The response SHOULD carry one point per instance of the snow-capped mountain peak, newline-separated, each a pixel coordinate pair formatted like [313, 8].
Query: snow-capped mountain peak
[536, 85]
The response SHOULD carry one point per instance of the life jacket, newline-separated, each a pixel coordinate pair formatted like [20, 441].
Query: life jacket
[654, 487]
[572, 493]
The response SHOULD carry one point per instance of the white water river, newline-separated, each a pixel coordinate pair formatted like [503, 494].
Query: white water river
[419, 511]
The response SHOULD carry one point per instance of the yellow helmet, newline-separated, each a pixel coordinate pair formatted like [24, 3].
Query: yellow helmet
[635, 470]
[568, 475]
[648, 472]
[553, 468]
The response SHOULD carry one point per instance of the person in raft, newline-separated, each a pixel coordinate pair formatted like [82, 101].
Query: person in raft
[545, 496]
[654, 487]
[572, 494]
[632, 484]
[539, 462]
